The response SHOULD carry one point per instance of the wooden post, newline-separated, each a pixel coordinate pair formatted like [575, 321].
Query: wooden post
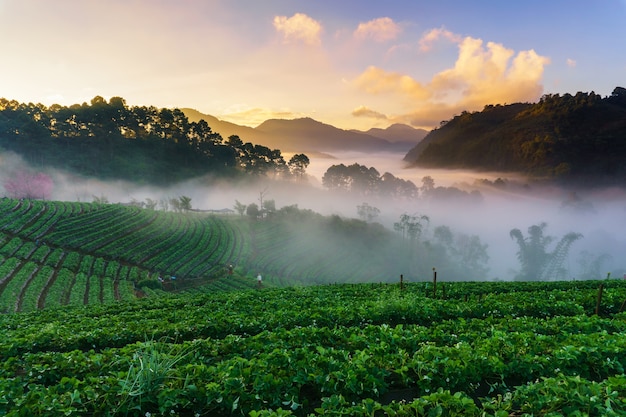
[434, 283]
[599, 298]
[401, 282]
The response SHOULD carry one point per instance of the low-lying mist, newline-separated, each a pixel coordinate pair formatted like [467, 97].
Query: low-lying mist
[599, 215]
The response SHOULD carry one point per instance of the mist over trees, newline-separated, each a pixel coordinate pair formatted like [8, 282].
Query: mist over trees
[361, 181]
[143, 144]
[364, 181]
[146, 145]
[456, 256]
[537, 261]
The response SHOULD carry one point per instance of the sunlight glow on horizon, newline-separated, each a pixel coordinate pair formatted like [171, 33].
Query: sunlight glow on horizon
[350, 67]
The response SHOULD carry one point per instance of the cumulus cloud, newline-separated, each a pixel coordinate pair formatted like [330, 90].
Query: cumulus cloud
[299, 28]
[375, 80]
[482, 74]
[433, 35]
[364, 111]
[382, 29]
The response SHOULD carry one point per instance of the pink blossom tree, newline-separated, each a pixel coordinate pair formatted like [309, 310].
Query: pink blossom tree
[29, 185]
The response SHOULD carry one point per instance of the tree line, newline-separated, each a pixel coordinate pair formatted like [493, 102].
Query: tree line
[363, 181]
[140, 143]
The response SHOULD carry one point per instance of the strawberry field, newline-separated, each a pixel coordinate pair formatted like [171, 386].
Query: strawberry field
[89, 329]
[67, 253]
[498, 349]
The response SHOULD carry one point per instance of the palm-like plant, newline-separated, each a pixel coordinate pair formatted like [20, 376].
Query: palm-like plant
[535, 260]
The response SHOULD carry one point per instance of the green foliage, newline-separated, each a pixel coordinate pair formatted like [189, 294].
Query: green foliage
[292, 246]
[337, 350]
[151, 367]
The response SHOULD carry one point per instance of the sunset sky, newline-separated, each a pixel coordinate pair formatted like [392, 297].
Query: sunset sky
[350, 63]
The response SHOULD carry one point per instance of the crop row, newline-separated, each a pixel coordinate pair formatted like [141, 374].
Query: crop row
[27, 286]
[188, 245]
[15, 216]
[228, 283]
[33, 218]
[331, 350]
[35, 276]
[217, 315]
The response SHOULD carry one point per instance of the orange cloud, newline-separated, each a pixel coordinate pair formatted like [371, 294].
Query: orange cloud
[376, 81]
[491, 74]
[255, 116]
[382, 29]
[426, 42]
[363, 111]
[299, 27]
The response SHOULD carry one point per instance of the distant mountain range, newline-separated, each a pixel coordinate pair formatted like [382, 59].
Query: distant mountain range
[306, 135]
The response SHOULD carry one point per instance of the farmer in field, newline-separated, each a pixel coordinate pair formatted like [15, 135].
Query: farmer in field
[259, 280]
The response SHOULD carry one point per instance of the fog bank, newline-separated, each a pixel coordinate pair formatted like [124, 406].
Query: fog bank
[601, 219]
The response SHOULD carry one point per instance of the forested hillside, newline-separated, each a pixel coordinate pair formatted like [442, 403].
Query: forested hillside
[110, 140]
[580, 138]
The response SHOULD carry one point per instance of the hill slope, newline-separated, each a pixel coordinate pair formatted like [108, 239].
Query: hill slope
[570, 138]
[398, 133]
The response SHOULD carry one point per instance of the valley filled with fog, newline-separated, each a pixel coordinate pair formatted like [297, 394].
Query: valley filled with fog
[599, 215]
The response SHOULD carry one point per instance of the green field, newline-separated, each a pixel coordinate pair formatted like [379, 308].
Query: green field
[65, 253]
[88, 329]
[499, 349]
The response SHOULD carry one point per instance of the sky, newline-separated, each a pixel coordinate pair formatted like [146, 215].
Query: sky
[355, 64]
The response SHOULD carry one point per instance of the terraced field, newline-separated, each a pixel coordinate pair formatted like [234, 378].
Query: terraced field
[68, 253]
[65, 253]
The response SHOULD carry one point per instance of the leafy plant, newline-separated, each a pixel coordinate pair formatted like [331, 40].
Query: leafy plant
[151, 366]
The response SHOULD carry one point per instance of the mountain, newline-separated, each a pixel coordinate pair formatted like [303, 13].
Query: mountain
[224, 128]
[306, 135]
[574, 139]
[399, 133]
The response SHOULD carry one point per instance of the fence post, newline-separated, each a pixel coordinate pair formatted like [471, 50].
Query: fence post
[599, 298]
[434, 282]
[401, 282]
